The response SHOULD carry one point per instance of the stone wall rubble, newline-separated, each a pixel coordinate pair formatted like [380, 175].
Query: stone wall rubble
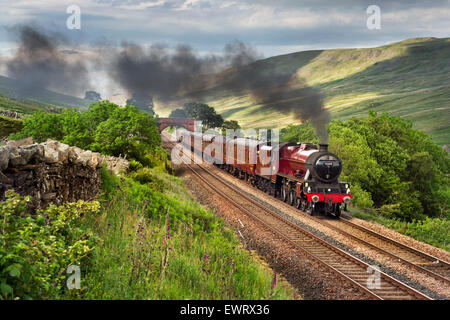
[53, 172]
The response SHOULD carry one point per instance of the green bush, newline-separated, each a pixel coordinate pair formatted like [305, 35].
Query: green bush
[35, 250]
[361, 198]
[41, 126]
[135, 165]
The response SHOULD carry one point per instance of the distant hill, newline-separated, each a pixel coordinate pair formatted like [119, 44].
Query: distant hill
[12, 99]
[408, 78]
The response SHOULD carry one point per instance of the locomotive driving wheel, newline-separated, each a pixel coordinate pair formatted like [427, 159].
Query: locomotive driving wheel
[291, 199]
[298, 203]
[284, 193]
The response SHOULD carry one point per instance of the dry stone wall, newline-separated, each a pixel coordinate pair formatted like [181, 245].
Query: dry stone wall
[52, 171]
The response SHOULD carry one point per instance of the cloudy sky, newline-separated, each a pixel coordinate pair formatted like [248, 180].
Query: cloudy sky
[269, 27]
[272, 26]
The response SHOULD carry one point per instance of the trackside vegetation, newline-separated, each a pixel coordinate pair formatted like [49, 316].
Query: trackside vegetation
[397, 173]
[162, 245]
[143, 238]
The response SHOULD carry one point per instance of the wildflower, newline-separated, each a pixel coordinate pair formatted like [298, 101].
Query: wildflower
[168, 229]
[274, 281]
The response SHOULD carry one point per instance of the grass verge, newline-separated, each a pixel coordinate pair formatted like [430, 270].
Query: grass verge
[434, 231]
[158, 245]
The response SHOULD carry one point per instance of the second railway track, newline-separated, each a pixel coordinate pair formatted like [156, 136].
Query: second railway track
[421, 261]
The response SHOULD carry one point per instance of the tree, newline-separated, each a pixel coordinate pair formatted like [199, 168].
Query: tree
[143, 101]
[203, 112]
[299, 133]
[389, 164]
[41, 126]
[80, 127]
[231, 124]
[92, 95]
[127, 132]
[178, 113]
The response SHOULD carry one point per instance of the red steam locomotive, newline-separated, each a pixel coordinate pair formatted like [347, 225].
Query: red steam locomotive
[304, 176]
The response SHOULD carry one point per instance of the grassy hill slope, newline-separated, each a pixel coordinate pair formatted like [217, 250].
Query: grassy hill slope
[25, 106]
[39, 99]
[408, 78]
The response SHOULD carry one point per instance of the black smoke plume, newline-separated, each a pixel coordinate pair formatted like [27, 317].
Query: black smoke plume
[163, 73]
[280, 90]
[159, 72]
[166, 74]
[39, 63]
[305, 103]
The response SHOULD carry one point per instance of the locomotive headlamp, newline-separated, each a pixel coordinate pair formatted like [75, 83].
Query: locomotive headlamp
[348, 191]
[346, 186]
[309, 189]
[306, 184]
[347, 200]
[315, 198]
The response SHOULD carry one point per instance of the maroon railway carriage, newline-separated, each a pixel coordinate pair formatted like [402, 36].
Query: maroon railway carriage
[306, 176]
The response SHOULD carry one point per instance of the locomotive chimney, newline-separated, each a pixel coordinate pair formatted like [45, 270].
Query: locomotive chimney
[323, 147]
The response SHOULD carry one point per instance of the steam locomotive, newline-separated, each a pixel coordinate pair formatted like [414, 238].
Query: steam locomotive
[305, 176]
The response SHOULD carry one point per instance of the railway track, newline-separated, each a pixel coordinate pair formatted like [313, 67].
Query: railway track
[421, 261]
[338, 261]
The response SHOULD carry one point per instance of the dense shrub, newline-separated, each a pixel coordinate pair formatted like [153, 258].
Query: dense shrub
[41, 126]
[35, 250]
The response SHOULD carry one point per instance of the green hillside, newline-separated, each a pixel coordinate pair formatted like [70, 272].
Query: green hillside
[408, 78]
[25, 106]
[12, 99]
